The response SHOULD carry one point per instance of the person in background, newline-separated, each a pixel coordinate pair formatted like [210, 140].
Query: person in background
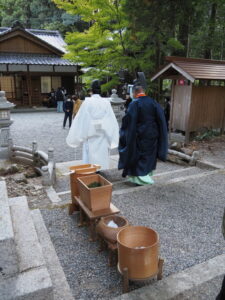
[128, 101]
[167, 111]
[51, 99]
[221, 295]
[96, 128]
[68, 110]
[76, 105]
[64, 91]
[59, 96]
[143, 138]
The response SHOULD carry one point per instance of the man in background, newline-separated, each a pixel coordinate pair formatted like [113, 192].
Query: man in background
[59, 96]
[96, 128]
[143, 138]
[68, 110]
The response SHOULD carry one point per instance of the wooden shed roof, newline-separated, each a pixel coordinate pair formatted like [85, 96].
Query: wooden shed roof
[192, 68]
[50, 37]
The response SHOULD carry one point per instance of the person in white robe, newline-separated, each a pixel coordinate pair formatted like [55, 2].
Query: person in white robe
[95, 126]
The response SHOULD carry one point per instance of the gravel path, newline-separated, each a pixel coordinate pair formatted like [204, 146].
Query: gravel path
[46, 129]
[186, 215]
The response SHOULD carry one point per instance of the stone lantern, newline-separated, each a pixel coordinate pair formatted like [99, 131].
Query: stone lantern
[117, 105]
[5, 122]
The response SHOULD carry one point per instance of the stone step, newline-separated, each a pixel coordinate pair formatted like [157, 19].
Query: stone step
[62, 184]
[124, 188]
[115, 175]
[61, 289]
[32, 281]
[8, 256]
[27, 244]
[160, 178]
[193, 283]
[34, 284]
[164, 174]
[164, 177]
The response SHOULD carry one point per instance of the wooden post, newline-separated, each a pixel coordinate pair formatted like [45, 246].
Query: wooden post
[160, 269]
[223, 122]
[125, 280]
[28, 80]
[171, 107]
[81, 221]
[187, 125]
[92, 231]
[101, 244]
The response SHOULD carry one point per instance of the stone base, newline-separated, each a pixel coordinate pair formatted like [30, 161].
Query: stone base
[34, 284]
[4, 153]
[8, 255]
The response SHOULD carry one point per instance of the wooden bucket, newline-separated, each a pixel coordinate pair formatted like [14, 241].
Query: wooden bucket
[97, 198]
[80, 171]
[138, 252]
[110, 233]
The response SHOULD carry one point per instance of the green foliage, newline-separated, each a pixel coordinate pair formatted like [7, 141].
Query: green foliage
[102, 49]
[207, 135]
[94, 185]
[173, 43]
[39, 14]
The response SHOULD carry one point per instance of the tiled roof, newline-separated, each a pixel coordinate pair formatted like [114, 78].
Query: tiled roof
[33, 59]
[193, 68]
[51, 37]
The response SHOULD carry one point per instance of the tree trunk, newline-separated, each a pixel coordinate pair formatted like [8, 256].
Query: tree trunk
[211, 31]
[28, 15]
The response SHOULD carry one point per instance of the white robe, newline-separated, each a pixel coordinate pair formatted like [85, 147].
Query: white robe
[95, 126]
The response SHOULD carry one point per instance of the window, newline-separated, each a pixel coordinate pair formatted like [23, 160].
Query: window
[46, 84]
[56, 82]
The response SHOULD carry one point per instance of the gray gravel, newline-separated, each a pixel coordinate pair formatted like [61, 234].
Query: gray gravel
[186, 215]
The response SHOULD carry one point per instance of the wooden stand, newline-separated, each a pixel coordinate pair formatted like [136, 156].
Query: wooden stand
[125, 275]
[93, 217]
[111, 247]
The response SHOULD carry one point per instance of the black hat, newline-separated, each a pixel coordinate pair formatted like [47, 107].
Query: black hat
[96, 86]
[141, 80]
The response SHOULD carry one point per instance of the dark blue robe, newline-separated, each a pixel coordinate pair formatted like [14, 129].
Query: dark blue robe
[143, 137]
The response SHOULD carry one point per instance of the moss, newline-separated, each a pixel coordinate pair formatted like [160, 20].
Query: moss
[94, 184]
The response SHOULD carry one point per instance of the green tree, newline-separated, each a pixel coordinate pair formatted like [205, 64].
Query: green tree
[103, 48]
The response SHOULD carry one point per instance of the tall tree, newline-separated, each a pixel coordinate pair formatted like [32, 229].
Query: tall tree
[211, 31]
[102, 49]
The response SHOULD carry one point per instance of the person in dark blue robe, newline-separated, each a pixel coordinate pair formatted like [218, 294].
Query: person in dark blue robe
[143, 138]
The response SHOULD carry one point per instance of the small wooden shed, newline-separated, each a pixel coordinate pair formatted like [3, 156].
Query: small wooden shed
[197, 94]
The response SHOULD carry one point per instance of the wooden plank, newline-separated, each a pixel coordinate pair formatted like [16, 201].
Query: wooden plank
[181, 107]
[97, 214]
[208, 106]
